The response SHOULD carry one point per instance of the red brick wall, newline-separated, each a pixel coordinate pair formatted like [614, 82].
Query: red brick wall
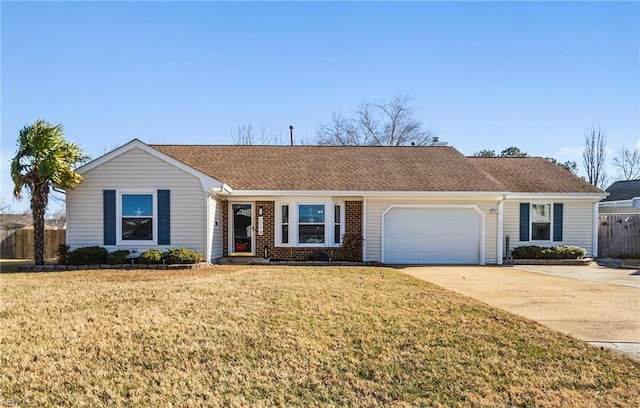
[267, 238]
[353, 224]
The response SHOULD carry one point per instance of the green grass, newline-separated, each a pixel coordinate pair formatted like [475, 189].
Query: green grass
[285, 336]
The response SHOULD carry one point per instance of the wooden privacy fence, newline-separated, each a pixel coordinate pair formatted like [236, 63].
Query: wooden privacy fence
[19, 244]
[619, 235]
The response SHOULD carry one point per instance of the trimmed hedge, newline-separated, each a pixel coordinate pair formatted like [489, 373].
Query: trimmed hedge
[118, 257]
[556, 252]
[151, 257]
[92, 255]
[182, 256]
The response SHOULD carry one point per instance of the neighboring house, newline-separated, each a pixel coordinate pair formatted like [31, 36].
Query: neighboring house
[411, 204]
[622, 194]
[25, 221]
[15, 221]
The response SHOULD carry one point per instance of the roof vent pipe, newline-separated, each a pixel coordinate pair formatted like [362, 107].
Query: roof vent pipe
[291, 133]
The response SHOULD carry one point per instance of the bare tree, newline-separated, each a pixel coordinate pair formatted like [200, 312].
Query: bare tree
[627, 161]
[339, 131]
[385, 124]
[594, 155]
[5, 209]
[247, 135]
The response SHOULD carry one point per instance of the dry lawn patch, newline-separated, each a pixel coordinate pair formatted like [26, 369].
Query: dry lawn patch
[284, 336]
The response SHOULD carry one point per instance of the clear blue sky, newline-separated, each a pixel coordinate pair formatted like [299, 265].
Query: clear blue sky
[484, 75]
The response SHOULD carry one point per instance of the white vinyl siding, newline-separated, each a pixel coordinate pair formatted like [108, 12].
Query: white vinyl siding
[132, 170]
[373, 218]
[577, 224]
[216, 227]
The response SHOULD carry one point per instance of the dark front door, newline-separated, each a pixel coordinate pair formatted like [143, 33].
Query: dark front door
[242, 222]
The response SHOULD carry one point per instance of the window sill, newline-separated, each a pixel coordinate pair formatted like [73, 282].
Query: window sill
[136, 243]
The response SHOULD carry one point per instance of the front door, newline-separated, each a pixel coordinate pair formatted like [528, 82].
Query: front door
[242, 224]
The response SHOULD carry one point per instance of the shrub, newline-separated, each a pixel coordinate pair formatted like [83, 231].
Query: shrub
[93, 255]
[118, 257]
[62, 253]
[151, 257]
[556, 252]
[527, 252]
[183, 256]
[318, 256]
[570, 251]
[352, 246]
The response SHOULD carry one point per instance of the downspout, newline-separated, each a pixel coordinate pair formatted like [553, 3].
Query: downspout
[208, 233]
[500, 230]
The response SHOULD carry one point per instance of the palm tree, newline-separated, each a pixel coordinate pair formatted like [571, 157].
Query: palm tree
[44, 160]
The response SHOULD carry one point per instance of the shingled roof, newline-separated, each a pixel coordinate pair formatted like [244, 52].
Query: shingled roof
[532, 175]
[369, 168]
[623, 190]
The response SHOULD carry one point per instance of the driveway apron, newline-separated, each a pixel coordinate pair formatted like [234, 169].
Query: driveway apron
[603, 314]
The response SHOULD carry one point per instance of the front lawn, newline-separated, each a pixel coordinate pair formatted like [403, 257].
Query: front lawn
[288, 336]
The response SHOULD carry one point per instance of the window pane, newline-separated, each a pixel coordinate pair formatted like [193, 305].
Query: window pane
[285, 234]
[311, 214]
[336, 212]
[336, 233]
[311, 234]
[137, 229]
[285, 214]
[541, 231]
[540, 212]
[137, 205]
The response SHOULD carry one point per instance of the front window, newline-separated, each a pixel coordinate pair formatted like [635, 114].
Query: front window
[137, 217]
[311, 223]
[540, 222]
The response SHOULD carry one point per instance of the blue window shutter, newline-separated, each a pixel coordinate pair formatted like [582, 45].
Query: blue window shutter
[524, 221]
[109, 216]
[164, 217]
[557, 221]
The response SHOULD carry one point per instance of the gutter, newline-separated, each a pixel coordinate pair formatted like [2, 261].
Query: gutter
[224, 190]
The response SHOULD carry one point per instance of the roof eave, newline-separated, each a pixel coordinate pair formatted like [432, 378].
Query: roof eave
[556, 195]
[367, 193]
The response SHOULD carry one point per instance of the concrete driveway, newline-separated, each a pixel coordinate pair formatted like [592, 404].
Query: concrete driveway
[604, 314]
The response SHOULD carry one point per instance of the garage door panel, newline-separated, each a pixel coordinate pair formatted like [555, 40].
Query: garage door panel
[432, 235]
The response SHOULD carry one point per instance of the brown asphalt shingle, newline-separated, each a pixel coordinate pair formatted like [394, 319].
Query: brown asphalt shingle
[371, 168]
[532, 175]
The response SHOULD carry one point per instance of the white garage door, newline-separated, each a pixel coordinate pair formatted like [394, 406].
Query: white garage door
[431, 236]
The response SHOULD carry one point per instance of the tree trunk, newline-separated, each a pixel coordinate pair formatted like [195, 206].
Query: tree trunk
[39, 199]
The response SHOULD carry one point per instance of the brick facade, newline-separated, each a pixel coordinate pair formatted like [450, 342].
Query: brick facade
[353, 224]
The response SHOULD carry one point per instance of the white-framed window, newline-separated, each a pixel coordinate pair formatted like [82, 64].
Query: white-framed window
[541, 222]
[284, 223]
[309, 223]
[136, 218]
[337, 224]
